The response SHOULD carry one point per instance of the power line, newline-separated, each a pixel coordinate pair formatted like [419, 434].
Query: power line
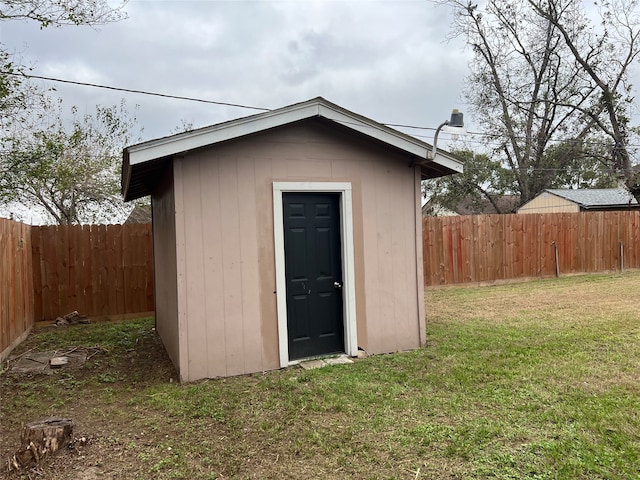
[250, 107]
[129, 90]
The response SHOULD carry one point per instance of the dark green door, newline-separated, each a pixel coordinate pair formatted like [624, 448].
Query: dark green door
[313, 268]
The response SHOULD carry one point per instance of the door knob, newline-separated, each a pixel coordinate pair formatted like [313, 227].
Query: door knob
[337, 284]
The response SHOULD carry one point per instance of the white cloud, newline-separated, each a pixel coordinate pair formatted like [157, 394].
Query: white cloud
[385, 60]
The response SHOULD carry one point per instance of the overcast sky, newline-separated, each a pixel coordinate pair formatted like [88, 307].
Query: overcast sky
[387, 60]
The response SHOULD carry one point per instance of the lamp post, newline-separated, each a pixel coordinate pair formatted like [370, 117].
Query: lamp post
[455, 125]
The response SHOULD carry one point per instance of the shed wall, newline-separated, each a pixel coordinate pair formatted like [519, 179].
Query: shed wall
[164, 258]
[224, 213]
[548, 203]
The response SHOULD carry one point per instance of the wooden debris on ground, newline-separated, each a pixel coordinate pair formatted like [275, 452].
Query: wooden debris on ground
[51, 361]
[57, 362]
[41, 439]
[72, 318]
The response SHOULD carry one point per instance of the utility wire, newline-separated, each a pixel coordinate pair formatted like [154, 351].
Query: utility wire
[262, 109]
[129, 90]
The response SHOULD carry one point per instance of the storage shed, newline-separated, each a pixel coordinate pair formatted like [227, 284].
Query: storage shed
[285, 235]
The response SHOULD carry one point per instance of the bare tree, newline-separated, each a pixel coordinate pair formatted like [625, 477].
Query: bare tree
[605, 52]
[57, 13]
[528, 91]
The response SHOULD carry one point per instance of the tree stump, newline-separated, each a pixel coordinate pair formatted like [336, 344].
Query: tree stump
[40, 439]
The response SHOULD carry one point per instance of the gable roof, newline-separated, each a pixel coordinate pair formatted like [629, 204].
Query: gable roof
[596, 197]
[143, 163]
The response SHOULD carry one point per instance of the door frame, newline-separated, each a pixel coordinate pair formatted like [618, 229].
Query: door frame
[348, 266]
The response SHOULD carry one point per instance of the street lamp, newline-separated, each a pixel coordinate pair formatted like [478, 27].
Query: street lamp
[454, 125]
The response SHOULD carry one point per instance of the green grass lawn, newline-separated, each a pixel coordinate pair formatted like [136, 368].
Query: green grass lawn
[537, 380]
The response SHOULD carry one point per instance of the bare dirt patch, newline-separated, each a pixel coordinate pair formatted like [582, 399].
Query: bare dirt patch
[81, 390]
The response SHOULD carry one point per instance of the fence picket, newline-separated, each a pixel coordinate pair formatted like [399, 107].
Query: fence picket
[487, 248]
[16, 284]
[92, 269]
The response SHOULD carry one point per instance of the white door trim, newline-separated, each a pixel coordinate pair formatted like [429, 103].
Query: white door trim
[348, 267]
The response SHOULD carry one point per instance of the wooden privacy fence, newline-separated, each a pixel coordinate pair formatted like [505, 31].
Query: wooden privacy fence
[16, 287]
[94, 269]
[46, 272]
[486, 248]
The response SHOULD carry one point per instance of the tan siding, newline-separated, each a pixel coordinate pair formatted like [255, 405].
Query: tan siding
[382, 328]
[181, 232]
[214, 334]
[548, 203]
[229, 271]
[266, 263]
[194, 274]
[390, 258]
[231, 267]
[248, 215]
[164, 255]
[359, 260]
[419, 259]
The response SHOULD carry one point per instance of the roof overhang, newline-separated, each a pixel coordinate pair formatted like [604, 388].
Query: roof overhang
[144, 162]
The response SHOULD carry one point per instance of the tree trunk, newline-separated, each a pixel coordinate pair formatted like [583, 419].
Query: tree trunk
[40, 439]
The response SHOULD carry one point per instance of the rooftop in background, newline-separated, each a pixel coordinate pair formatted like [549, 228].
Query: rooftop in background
[596, 197]
[140, 214]
[568, 200]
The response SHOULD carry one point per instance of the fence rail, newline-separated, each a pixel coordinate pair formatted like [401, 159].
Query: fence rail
[16, 287]
[487, 248]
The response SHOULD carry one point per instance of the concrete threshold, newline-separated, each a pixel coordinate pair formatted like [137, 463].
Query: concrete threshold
[323, 362]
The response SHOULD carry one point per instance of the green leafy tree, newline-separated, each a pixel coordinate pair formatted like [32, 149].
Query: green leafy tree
[43, 163]
[70, 173]
[15, 93]
[486, 181]
[580, 166]
[483, 180]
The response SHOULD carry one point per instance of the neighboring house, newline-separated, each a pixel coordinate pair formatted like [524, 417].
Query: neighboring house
[566, 200]
[472, 206]
[140, 214]
[285, 235]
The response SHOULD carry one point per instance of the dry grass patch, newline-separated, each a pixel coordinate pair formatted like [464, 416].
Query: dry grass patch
[576, 300]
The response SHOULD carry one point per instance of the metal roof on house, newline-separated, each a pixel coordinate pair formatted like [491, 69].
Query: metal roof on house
[142, 164]
[597, 197]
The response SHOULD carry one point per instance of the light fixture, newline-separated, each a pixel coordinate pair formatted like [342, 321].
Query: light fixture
[454, 125]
